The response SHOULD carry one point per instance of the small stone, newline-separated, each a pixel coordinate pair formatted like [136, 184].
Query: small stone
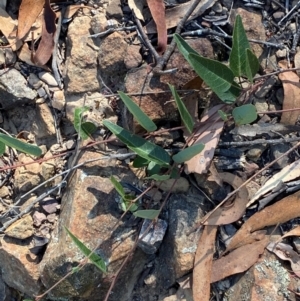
[48, 78]
[255, 152]
[155, 194]
[48, 169]
[281, 53]
[181, 185]
[41, 92]
[278, 15]
[260, 104]
[70, 144]
[34, 81]
[151, 280]
[217, 7]
[58, 100]
[114, 9]
[21, 229]
[38, 218]
[4, 191]
[133, 58]
[276, 151]
[51, 218]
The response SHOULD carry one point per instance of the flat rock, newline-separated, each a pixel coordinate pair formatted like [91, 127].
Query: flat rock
[81, 63]
[89, 210]
[21, 229]
[14, 90]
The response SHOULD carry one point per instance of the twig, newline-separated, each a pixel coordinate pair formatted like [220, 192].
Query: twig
[259, 141]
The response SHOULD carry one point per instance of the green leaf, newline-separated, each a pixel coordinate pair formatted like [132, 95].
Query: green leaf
[2, 148]
[215, 74]
[118, 186]
[223, 115]
[188, 153]
[252, 64]
[94, 258]
[184, 113]
[20, 145]
[148, 214]
[184, 47]
[139, 145]
[159, 177]
[138, 114]
[231, 95]
[140, 162]
[84, 129]
[244, 114]
[237, 59]
[153, 168]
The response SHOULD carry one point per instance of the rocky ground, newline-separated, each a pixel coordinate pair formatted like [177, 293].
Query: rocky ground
[36, 251]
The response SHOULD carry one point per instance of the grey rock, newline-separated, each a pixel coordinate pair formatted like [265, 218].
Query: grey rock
[276, 151]
[114, 10]
[14, 90]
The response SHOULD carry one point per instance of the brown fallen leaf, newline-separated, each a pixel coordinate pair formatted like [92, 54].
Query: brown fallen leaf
[28, 13]
[157, 8]
[208, 133]
[281, 212]
[230, 213]
[291, 87]
[286, 252]
[238, 261]
[203, 264]
[175, 14]
[45, 48]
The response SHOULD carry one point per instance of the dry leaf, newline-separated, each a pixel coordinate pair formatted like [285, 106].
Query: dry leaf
[291, 87]
[137, 7]
[293, 232]
[209, 133]
[238, 261]
[24, 54]
[175, 14]
[203, 264]
[36, 30]
[286, 252]
[287, 174]
[28, 13]
[157, 8]
[228, 214]
[8, 28]
[281, 212]
[45, 48]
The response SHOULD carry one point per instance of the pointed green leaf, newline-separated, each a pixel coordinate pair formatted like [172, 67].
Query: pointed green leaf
[118, 186]
[153, 168]
[237, 59]
[138, 114]
[20, 145]
[159, 177]
[2, 148]
[223, 115]
[184, 113]
[231, 95]
[252, 65]
[244, 114]
[94, 258]
[188, 153]
[140, 162]
[84, 129]
[148, 214]
[139, 145]
[215, 74]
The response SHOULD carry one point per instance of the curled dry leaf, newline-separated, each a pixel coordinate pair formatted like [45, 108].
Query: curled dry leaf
[287, 174]
[157, 8]
[203, 264]
[45, 48]
[238, 261]
[208, 133]
[28, 13]
[281, 212]
[293, 232]
[291, 87]
[175, 14]
[230, 213]
[286, 252]
[137, 7]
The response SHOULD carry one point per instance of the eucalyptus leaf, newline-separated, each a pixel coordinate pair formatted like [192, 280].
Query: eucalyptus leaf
[20, 145]
[94, 258]
[244, 114]
[138, 114]
[223, 115]
[2, 148]
[148, 214]
[140, 145]
[84, 129]
[184, 47]
[139, 162]
[188, 153]
[184, 113]
[252, 64]
[240, 43]
[153, 168]
[118, 186]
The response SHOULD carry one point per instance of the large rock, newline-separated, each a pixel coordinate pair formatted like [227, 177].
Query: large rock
[90, 211]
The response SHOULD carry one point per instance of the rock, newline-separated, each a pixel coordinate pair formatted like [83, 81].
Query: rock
[44, 123]
[38, 218]
[114, 10]
[217, 8]
[278, 15]
[4, 191]
[58, 101]
[21, 229]
[111, 56]
[14, 90]
[181, 185]
[159, 106]
[48, 169]
[98, 23]
[255, 152]
[89, 211]
[261, 104]
[281, 53]
[7, 57]
[48, 78]
[133, 59]
[81, 63]
[276, 150]
[34, 81]
[19, 268]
